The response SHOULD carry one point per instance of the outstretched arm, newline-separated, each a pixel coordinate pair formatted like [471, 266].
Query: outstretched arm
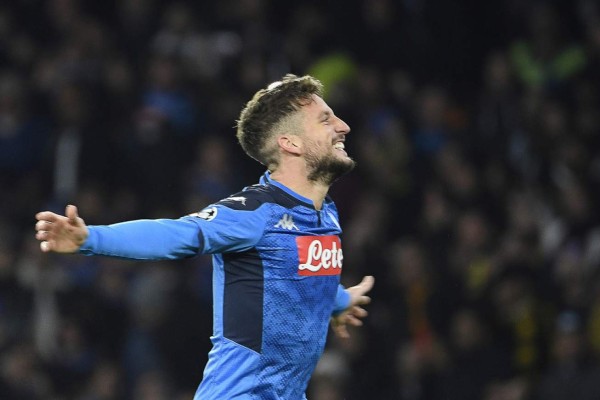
[355, 312]
[158, 239]
[61, 234]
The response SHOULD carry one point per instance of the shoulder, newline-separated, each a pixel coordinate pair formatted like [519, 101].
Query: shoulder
[329, 204]
[329, 201]
[249, 199]
[253, 197]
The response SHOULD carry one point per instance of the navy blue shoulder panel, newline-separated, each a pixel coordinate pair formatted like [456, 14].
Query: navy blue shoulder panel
[254, 196]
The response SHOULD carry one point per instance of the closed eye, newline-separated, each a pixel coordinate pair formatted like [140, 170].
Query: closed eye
[325, 117]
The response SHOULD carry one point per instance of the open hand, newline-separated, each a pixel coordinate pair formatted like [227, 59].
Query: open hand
[61, 234]
[354, 313]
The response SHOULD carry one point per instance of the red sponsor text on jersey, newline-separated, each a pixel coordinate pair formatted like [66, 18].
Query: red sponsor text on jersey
[319, 255]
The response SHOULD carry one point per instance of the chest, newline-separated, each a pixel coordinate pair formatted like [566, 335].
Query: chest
[302, 243]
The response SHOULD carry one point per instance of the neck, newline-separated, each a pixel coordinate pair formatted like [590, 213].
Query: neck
[299, 183]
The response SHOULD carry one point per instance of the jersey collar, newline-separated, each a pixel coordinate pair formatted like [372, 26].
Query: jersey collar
[266, 180]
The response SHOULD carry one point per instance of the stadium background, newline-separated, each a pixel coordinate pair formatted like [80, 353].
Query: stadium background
[476, 130]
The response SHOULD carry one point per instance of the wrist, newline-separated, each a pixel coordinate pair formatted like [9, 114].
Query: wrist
[88, 241]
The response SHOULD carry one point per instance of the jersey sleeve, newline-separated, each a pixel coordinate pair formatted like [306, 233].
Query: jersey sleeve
[159, 239]
[234, 224]
[342, 300]
[226, 229]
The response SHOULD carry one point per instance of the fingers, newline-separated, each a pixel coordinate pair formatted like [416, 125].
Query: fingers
[357, 298]
[359, 312]
[351, 317]
[42, 235]
[352, 320]
[48, 220]
[45, 247]
[354, 316]
[341, 331]
[58, 233]
[47, 216]
[44, 231]
[43, 225]
[358, 292]
[71, 213]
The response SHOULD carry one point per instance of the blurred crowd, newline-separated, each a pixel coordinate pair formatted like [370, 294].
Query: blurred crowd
[476, 130]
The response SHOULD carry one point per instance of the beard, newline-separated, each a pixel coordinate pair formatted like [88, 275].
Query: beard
[329, 168]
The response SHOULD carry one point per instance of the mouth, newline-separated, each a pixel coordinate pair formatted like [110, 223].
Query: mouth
[339, 146]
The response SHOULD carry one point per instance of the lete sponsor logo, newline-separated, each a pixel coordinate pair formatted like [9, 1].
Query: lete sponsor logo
[319, 255]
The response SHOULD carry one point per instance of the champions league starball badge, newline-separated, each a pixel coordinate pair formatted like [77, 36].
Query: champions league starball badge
[208, 214]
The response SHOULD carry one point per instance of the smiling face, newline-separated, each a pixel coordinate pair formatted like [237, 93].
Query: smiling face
[323, 140]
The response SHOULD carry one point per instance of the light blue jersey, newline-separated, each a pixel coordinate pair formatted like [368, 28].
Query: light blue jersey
[277, 264]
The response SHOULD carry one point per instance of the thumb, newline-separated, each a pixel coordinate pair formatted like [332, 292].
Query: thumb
[367, 284]
[71, 213]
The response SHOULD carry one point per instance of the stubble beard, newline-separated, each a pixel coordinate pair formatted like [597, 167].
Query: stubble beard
[328, 169]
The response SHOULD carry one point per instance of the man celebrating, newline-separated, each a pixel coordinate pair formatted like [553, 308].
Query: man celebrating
[276, 248]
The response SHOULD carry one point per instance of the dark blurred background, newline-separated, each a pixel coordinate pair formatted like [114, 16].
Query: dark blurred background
[476, 128]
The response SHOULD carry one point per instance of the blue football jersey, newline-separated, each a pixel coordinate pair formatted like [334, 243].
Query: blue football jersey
[277, 263]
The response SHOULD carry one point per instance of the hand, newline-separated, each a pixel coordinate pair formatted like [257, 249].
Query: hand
[353, 314]
[61, 234]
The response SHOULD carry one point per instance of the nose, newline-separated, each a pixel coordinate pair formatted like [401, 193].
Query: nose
[342, 127]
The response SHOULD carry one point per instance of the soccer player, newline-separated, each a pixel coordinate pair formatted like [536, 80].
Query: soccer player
[276, 248]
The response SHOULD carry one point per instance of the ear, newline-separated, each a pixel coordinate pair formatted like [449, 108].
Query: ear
[290, 143]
